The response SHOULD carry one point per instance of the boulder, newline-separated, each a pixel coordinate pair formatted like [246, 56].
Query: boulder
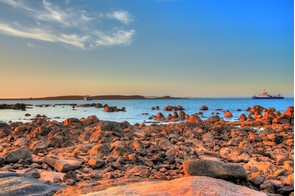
[227, 114]
[204, 107]
[100, 150]
[194, 119]
[242, 118]
[168, 108]
[5, 132]
[18, 184]
[96, 163]
[289, 111]
[17, 154]
[160, 116]
[22, 142]
[86, 122]
[257, 108]
[213, 119]
[175, 114]
[93, 118]
[70, 175]
[269, 114]
[32, 172]
[182, 115]
[181, 186]
[62, 165]
[69, 121]
[39, 145]
[213, 169]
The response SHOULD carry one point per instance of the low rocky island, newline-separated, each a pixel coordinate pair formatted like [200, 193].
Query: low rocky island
[88, 156]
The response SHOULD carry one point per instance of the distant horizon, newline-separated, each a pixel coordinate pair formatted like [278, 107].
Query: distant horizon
[147, 97]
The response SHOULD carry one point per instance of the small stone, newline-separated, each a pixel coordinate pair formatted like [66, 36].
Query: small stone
[159, 176]
[70, 175]
[257, 180]
[70, 182]
[57, 180]
[267, 186]
[36, 165]
[116, 165]
[96, 176]
[33, 172]
[110, 175]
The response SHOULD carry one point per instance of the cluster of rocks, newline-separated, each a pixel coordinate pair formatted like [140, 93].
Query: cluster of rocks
[169, 108]
[17, 106]
[113, 109]
[89, 154]
[96, 105]
[257, 116]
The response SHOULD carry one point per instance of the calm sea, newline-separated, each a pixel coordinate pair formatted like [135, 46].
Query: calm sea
[136, 108]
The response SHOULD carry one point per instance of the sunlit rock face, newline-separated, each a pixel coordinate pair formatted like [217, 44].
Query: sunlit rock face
[183, 186]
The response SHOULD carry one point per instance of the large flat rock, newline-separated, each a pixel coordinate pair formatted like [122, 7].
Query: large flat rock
[194, 185]
[18, 184]
[62, 165]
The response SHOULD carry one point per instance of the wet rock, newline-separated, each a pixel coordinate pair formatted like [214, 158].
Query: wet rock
[181, 115]
[168, 108]
[242, 118]
[194, 119]
[160, 116]
[204, 107]
[155, 108]
[227, 114]
[213, 169]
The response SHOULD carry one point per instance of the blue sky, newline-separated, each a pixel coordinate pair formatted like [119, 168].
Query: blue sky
[203, 48]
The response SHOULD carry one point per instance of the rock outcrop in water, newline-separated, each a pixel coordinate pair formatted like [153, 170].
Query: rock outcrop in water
[89, 155]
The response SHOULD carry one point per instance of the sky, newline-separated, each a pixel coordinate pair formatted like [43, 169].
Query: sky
[182, 48]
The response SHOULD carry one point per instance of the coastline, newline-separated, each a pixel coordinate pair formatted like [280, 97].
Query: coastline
[77, 152]
[97, 97]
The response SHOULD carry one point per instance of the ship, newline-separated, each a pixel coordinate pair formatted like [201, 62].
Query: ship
[265, 95]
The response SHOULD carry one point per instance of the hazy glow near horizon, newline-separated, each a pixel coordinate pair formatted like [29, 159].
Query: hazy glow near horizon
[151, 48]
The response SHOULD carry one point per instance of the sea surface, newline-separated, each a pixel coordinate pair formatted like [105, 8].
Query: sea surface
[135, 108]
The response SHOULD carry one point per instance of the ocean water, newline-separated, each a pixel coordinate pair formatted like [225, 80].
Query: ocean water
[136, 108]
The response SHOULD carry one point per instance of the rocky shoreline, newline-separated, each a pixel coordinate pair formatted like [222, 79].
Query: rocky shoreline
[252, 156]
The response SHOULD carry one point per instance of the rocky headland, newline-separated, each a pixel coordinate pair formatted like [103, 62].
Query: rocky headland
[88, 156]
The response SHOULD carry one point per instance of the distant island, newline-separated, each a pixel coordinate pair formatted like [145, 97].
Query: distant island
[97, 97]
